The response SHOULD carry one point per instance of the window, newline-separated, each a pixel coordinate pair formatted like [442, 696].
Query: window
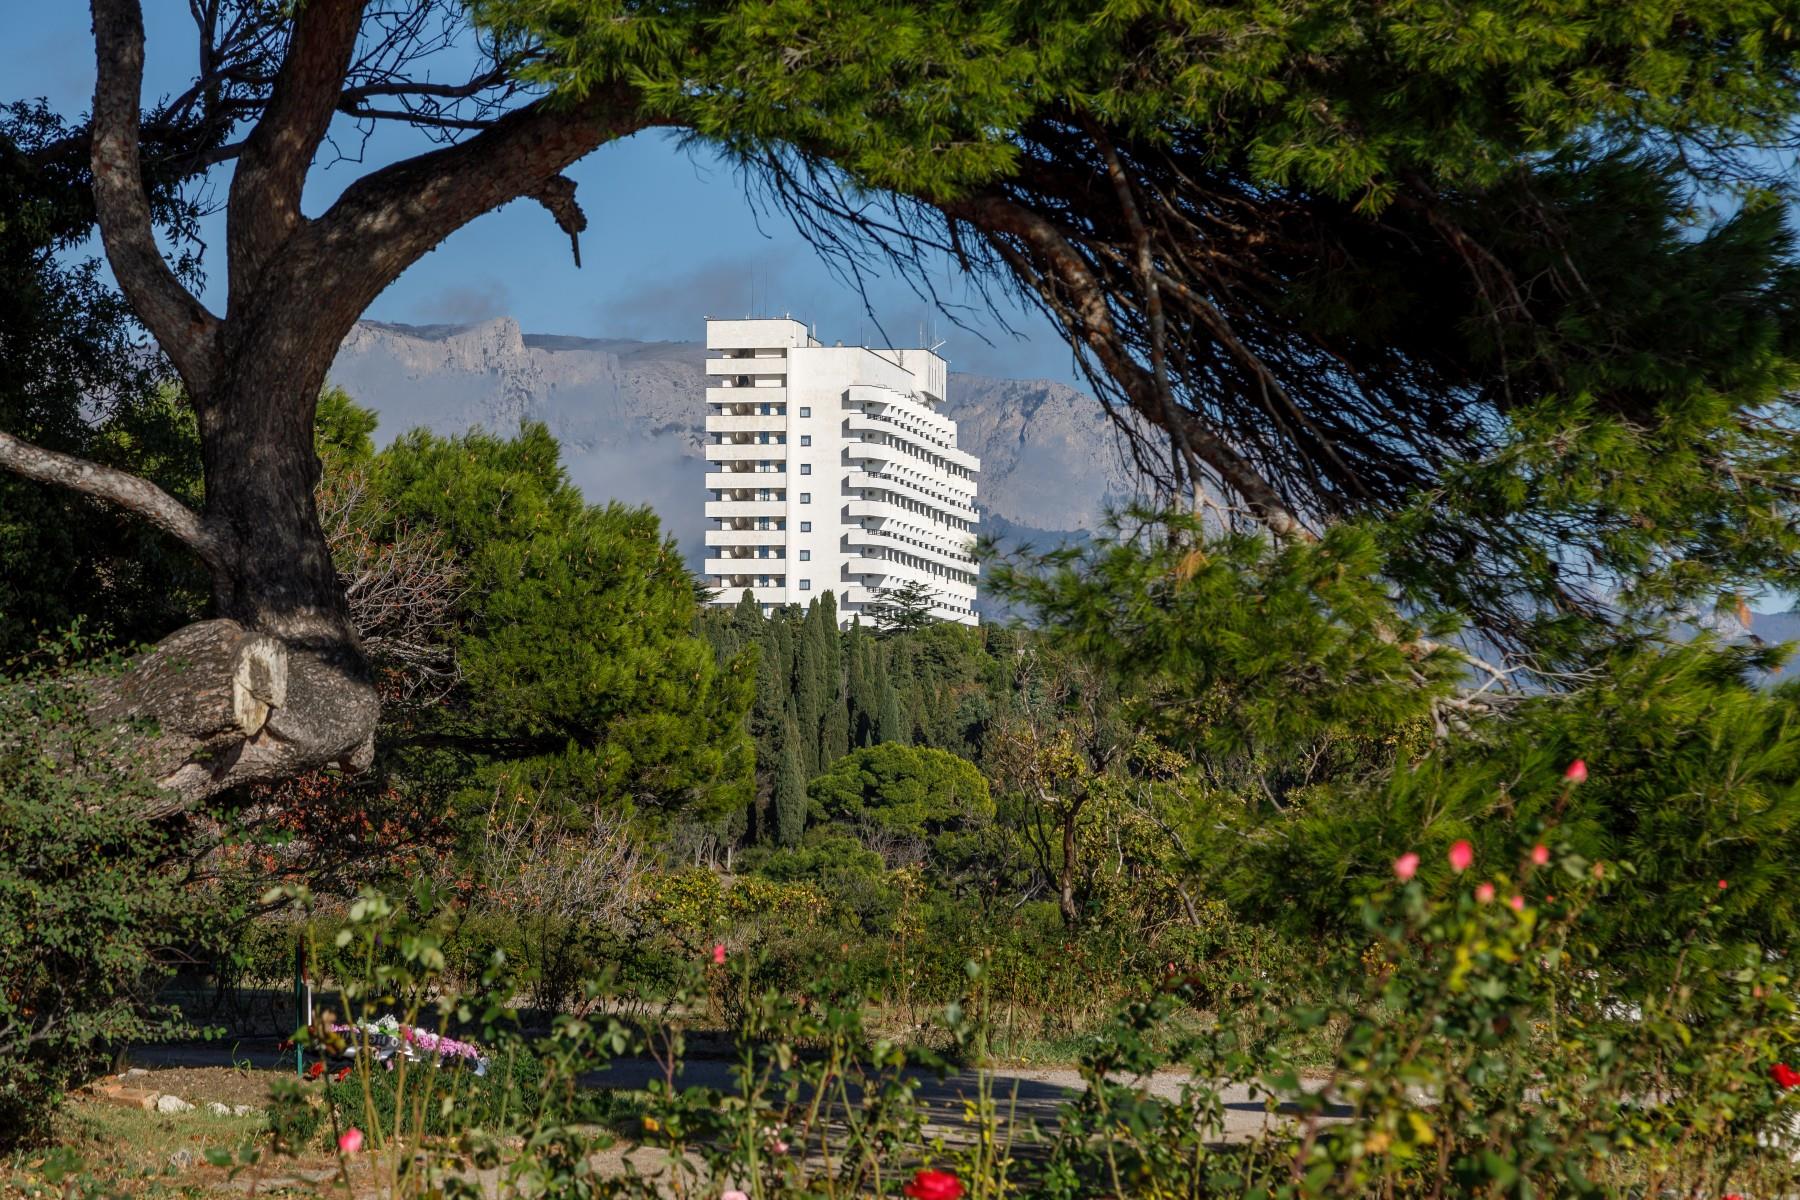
[806, 497]
[806, 527]
[806, 468]
[806, 556]
[806, 585]
[806, 439]
[805, 412]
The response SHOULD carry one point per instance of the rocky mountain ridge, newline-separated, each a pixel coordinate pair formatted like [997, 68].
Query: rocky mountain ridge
[630, 416]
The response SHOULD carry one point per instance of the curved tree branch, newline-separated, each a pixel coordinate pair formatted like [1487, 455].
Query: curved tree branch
[387, 219]
[130, 492]
[1087, 298]
[265, 189]
[187, 332]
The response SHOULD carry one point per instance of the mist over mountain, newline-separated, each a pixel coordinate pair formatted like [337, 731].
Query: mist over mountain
[630, 416]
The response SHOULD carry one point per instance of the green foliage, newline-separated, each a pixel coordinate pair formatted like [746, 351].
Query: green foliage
[1269, 666]
[440, 1099]
[941, 686]
[1311, 95]
[899, 790]
[95, 898]
[790, 794]
[72, 380]
[902, 609]
[1470, 1044]
[574, 635]
[1694, 780]
[1520, 275]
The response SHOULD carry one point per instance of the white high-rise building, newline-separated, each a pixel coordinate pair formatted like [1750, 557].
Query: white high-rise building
[830, 468]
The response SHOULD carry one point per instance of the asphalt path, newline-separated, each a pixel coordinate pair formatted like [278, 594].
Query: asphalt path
[1031, 1095]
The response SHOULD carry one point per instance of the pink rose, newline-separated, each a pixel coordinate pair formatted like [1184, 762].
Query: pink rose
[350, 1141]
[1540, 855]
[1485, 893]
[1462, 855]
[718, 954]
[1517, 903]
[1406, 866]
[1576, 772]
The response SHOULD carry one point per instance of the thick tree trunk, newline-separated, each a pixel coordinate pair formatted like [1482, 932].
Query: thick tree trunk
[261, 472]
[223, 720]
[296, 287]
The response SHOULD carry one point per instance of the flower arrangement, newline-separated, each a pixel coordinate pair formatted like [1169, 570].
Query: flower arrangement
[388, 1036]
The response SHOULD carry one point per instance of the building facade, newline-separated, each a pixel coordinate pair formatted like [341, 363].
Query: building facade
[832, 468]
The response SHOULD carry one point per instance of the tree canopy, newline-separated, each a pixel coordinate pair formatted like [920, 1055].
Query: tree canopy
[572, 626]
[1500, 272]
[909, 791]
[1514, 282]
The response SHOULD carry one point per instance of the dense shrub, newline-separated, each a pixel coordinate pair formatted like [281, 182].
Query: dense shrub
[1479, 1044]
[92, 901]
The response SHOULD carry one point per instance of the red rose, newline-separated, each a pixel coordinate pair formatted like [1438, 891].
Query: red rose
[340, 1075]
[316, 1070]
[1784, 1076]
[934, 1185]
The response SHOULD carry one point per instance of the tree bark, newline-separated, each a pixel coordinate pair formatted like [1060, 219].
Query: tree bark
[1065, 879]
[279, 683]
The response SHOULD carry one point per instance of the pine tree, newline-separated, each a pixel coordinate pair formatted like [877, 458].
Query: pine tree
[790, 794]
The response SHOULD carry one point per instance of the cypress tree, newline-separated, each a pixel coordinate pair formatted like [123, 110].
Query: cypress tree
[790, 794]
[809, 692]
[747, 617]
[784, 649]
[892, 727]
[834, 738]
[834, 733]
[856, 687]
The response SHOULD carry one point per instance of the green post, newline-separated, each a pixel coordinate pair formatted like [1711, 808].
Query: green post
[299, 1003]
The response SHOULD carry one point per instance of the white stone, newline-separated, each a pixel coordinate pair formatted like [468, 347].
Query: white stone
[217, 1109]
[172, 1104]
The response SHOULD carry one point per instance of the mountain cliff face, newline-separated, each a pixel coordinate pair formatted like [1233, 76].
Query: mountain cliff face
[630, 414]
[630, 417]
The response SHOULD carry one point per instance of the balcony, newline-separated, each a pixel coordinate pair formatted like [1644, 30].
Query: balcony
[751, 424]
[869, 423]
[736, 567]
[729, 594]
[900, 485]
[746, 395]
[927, 547]
[874, 452]
[738, 480]
[746, 508]
[746, 366]
[746, 537]
[744, 452]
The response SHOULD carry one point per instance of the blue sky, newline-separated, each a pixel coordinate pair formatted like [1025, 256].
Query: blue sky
[671, 236]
